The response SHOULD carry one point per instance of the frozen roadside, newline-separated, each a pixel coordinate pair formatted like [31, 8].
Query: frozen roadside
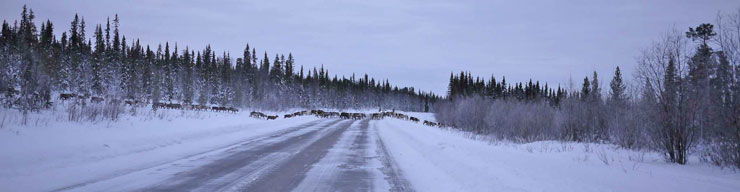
[434, 159]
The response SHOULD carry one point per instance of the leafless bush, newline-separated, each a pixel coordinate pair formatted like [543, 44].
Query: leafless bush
[628, 126]
[603, 156]
[74, 111]
[78, 111]
[112, 111]
[530, 149]
[545, 148]
[587, 147]
[723, 153]
[504, 120]
[638, 156]
[564, 146]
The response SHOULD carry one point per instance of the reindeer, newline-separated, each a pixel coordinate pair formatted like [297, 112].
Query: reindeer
[323, 114]
[66, 96]
[296, 114]
[358, 116]
[257, 115]
[429, 123]
[96, 99]
[333, 114]
[218, 109]
[132, 102]
[174, 106]
[441, 125]
[156, 106]
[401, 116]
[376, 116]
[272, 117]
[387, 114]
[12, 92]
[316, 112]
[414, 119]
[200, 107]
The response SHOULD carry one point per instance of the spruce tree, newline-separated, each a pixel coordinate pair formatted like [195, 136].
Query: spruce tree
[289, 64]
[116, 41]
[97, 63]
[276, 72]
[617, 92]
[586, 90]
[265, 68]
[187, 80]
[595, 89]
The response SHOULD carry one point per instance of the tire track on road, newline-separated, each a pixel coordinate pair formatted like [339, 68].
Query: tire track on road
[289, 174]
[392, 173]
[230, 169]
[354, 175]
[174, 163]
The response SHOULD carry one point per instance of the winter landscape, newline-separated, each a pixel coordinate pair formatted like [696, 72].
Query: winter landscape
[422, 96]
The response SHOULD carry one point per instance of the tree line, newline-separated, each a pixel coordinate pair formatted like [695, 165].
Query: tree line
[36, 65]
[465, 85]
[685, 99]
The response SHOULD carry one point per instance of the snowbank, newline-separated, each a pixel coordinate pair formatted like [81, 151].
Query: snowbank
[434, 159]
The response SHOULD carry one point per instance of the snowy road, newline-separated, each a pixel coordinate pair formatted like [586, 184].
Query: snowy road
[225, 152]
[323, 155]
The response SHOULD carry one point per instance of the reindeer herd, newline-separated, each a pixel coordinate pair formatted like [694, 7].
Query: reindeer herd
[254, 114]
[346, 115]
[155, 106]
[81, 97]
[260, 115]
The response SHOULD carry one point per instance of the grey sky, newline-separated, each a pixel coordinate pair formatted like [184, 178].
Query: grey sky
[411, 42]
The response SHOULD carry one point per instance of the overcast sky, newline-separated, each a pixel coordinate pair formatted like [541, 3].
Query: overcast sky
[411, 42]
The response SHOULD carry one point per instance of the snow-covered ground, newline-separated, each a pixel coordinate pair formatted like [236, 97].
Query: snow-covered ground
[156, 150]
[50, 152]
[434, 159]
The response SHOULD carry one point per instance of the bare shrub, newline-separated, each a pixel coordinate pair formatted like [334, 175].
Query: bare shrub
[564, 146]
[587, 147]
[74, 112]
[603, 156]
[638, 156]
[723, 153]
[112, 111]
[78, 111]
[500, 119]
